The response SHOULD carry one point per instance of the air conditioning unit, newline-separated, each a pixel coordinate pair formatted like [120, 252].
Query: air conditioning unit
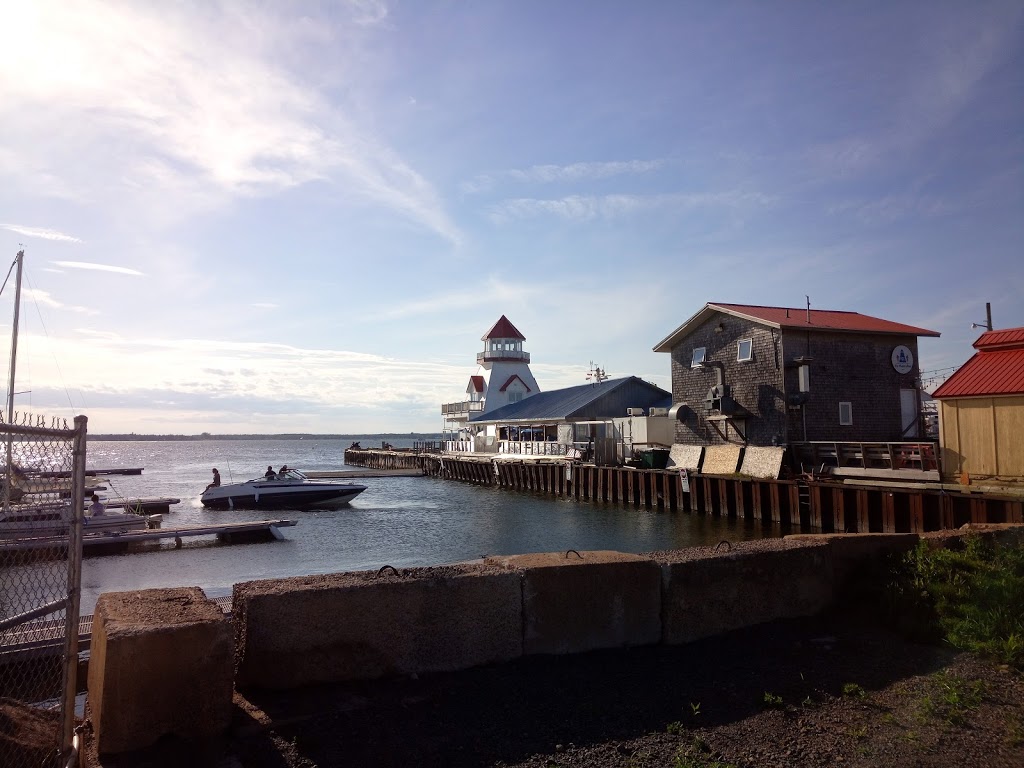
[658, 412]
[634, 411]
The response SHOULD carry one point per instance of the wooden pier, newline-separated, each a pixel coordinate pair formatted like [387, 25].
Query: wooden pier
[853, 506]
[99, 543]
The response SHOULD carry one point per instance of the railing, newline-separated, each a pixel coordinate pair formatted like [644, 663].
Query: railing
[426, 446]
[916, 455]
[501, 354]
[466, 406]
[533, 447]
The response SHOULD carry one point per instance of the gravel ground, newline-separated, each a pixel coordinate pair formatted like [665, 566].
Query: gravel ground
[801, 693]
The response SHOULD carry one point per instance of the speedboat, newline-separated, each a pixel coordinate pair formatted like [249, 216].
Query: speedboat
[288, 490]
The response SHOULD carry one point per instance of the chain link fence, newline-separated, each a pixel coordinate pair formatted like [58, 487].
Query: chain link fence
[41, 507]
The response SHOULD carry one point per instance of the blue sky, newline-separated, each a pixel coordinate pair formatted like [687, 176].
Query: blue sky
[271, 217]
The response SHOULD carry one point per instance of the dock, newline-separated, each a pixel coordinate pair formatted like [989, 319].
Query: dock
[142, 506]
[340, 474]
[814, 503]
[98, 543]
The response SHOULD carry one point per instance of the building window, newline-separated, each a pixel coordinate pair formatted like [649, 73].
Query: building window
[846, 414]
[745, 350]
[698, 357]
[515, 397]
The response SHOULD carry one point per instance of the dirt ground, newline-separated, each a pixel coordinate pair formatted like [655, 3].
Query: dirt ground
[800, 693]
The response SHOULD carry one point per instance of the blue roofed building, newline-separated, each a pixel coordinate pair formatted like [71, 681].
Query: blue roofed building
[610, 418]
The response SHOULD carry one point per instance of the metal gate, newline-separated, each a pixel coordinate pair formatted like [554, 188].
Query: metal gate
[41, 508]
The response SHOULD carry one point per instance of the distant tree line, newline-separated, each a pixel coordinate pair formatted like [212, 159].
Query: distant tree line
[284, 436]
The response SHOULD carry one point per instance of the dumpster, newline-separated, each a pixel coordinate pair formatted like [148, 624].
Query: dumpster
[654, 458]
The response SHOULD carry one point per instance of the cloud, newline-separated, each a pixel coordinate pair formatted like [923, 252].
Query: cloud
[587, 208]
[98, 267]
[44, 299]
[547, 174]
[45, 234]
[264, 305]
[178, 109]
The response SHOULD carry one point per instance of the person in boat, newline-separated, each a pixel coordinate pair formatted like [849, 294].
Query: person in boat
[216, 479]
[96, 509]
[282, 470]
[270, 474]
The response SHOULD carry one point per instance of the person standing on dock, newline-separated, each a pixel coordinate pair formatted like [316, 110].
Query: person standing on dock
[96, 509]
[216, 479]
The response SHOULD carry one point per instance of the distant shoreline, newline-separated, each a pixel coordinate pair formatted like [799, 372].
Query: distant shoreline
[284, 436]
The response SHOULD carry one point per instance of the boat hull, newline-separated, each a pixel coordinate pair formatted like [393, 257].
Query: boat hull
[298, 496]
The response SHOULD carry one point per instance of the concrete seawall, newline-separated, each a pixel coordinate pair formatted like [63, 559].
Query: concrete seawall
[364, 625]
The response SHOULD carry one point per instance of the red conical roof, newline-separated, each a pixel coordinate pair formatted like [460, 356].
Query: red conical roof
[503, 329]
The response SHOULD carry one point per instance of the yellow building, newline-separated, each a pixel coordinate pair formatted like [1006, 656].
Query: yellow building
[981, 411]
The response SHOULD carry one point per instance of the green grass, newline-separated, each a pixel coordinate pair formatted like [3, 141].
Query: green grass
[853, 691]
[971, 598]
[953, 698]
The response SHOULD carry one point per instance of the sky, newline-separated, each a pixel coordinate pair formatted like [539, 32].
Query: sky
[267, 217]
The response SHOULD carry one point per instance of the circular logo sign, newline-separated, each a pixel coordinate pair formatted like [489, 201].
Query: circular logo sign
[902, 359]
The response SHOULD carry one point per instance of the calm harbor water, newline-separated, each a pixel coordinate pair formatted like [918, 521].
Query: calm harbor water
[401, 521]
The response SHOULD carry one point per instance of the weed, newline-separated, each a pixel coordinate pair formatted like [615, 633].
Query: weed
[1014, 733]
[972, 598]
[890, 719]
[853, 691]
[954, 699]
[698, 755]
[859, 733]
[675, 728]
[771, 701]
[808, 703]
[694, 709]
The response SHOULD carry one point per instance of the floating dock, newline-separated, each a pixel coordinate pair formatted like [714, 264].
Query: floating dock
[224, 532]
[143, 506]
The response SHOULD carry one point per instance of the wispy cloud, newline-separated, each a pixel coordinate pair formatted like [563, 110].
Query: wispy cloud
[203, 106]
[98, 267]
[264, 305]
[44, 299]
[586, 208]
[546, 174]
[40, 232]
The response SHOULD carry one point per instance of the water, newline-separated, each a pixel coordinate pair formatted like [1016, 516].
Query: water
[401, 521]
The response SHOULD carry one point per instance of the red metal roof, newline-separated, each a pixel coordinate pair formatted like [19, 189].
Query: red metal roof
[503, 329]
[821, 319]
[997, 368]
[476, 384]
[1005, 337]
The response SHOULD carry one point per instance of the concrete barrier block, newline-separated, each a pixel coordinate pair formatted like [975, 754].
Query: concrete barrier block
[853, 552]
[574, 603]
[349, 626]
[707, 592]
[160, 663]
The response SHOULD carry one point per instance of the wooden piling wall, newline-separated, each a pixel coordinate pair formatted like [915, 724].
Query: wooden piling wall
[807, 505]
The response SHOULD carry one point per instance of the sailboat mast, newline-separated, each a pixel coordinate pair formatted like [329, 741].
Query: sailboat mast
[14, 347]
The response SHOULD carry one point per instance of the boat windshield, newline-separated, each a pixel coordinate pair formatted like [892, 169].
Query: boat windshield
[290, 474]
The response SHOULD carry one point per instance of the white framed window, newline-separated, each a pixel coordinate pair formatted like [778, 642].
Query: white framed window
[745, 350]
[846, 414]
[698, 357]
[515, 397]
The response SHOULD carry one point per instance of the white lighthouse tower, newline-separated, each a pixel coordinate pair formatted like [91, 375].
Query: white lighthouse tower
[503, 376]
